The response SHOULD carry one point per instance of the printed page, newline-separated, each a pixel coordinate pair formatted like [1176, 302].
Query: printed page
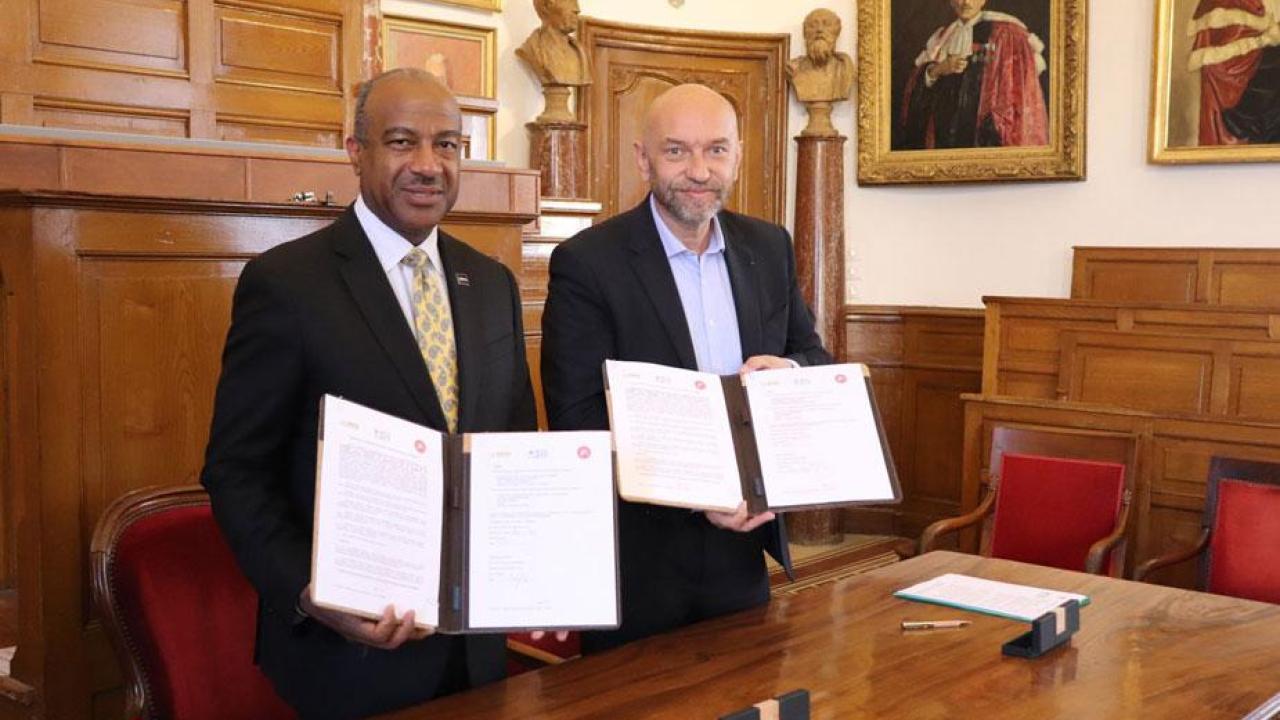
[542, 540]
[671, 432]
[817, 436]
[992, 597]
[379, 506]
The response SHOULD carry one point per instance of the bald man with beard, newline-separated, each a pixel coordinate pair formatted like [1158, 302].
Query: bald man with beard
[682, 282]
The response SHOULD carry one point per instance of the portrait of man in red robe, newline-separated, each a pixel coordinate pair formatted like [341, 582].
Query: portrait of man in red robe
[1236, 50]
[976, 83]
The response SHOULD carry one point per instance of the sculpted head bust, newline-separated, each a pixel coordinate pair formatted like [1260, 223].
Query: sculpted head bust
[551, 51]
[822, 75]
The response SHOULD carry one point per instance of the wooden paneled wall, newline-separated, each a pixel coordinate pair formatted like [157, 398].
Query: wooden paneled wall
[922, 360]
[1211, 276]
[1222, 377]
[1024, 335]
[278, 71]
[114, 312]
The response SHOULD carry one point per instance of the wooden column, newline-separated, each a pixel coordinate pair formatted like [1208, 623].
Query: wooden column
[558, 150]
[819, 245]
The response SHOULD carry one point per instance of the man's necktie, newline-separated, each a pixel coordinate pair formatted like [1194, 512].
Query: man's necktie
[433, 327]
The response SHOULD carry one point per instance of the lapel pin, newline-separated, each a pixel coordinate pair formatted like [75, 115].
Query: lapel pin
[463, 279]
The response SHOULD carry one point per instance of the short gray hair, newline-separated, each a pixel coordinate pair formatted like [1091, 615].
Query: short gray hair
[361, 129]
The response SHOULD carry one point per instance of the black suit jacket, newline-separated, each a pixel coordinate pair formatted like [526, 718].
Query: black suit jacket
[612, 296]
[313, 316]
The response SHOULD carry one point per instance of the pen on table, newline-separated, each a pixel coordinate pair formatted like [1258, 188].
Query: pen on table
[933, 624]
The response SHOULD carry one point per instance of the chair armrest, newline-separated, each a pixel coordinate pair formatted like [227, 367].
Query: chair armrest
[1172, 558]
[949, 525]
[1099, 551]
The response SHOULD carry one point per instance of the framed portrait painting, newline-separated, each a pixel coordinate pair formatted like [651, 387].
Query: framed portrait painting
[971, 90]
[464, 57]
[1215, 91]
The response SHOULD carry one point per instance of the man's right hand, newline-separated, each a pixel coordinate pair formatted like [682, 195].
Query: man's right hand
[951, 65]
[387, 633]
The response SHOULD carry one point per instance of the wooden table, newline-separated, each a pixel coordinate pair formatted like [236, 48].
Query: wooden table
[1142, 651]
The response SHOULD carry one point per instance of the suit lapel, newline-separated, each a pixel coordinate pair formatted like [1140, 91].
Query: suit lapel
[649, 261]
[468, 330]
[746, 295]
[372, 294]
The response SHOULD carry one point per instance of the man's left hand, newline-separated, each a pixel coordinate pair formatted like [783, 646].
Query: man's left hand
[764, 362]
[739, 520]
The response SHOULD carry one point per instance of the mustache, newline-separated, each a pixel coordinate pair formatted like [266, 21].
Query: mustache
[709, 185]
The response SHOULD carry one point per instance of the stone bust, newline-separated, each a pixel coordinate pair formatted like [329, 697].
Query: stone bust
[551, 51]
[821, 74]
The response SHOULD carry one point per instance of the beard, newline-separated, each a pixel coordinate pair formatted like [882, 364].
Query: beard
[691, 212]
[820, 50]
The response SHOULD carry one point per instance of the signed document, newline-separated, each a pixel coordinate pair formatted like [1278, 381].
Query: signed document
[476, 532]
[991, 597]
[541, 503]
[379, 514]
[671, 431]
[786, 439]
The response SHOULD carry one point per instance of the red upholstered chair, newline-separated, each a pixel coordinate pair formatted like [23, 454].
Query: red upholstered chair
[1239, 535]
[525, 654]
[178, 610]
[1062, 512]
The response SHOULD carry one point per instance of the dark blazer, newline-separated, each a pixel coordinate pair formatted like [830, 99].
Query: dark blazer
[314, 316]
[612, 296]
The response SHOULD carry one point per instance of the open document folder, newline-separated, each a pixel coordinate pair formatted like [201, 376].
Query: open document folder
[479, 532]
[788, 439]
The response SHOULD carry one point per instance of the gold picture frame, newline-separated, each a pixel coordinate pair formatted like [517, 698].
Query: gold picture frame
[1185, 128]
[898, 135]
[464, 57]
[491, 5]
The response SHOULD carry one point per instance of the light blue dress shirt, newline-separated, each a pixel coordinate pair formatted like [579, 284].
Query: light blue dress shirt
[707, 297]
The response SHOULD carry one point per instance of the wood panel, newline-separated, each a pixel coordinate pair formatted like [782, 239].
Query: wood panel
[192, 172]
[1212, 276]
[126, 34]
[112, 319]
[1172, 461]
[277, 49]
[1172, 374]
[1022, 348]
[270, 71]
[922, 360]
[634, 64]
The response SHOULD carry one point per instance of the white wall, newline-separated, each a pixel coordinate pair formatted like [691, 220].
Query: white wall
[921, 245]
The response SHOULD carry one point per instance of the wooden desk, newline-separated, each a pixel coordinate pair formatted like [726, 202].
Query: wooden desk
[1142, 651]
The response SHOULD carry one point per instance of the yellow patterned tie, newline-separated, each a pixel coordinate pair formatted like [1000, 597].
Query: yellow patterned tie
[433, 327]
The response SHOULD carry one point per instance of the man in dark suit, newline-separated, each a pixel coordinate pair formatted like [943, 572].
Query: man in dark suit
[681, 282]
[385, 310]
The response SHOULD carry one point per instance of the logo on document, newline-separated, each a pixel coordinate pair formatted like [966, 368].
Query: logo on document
[841, 379]
[420, 446]
[584, 452]
[700, 385]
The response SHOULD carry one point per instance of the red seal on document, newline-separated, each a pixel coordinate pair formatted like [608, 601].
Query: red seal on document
[841, 379]
[700, 385]
[584, 452]
[420, 446]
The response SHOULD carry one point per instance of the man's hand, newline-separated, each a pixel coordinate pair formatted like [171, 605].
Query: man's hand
[387, 633]
[951, 65]
[764, 362]
[738, 521]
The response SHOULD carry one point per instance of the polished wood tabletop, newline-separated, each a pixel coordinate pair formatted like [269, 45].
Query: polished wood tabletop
[1143, 651]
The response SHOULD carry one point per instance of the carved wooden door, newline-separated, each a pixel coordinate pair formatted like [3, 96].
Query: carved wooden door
[635, 64]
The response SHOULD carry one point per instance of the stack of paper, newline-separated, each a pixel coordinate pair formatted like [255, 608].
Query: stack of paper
[991, 597]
